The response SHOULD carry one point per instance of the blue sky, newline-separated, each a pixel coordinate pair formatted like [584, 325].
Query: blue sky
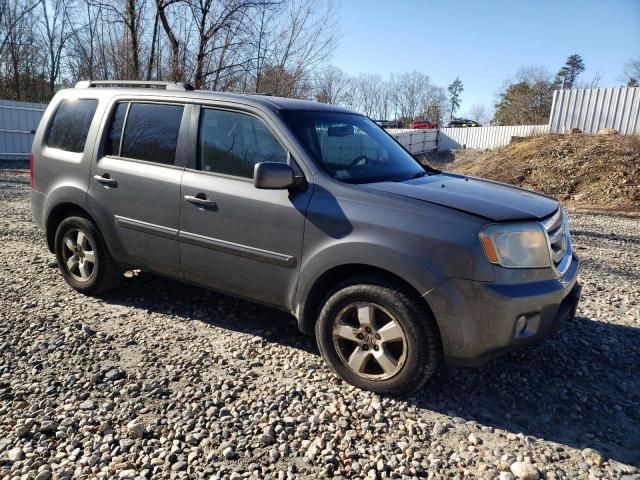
[485, 42]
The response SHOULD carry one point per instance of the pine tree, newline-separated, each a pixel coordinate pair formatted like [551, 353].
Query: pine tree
[569, 73]
[455, 89]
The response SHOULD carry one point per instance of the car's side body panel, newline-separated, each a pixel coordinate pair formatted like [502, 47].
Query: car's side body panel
[249, 242]
[141, 213]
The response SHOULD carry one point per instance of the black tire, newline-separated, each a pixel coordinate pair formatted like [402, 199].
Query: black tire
[104, 274]
[422, 339]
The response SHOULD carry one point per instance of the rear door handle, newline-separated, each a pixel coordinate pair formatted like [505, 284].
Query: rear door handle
[106, 180]
[201, 200]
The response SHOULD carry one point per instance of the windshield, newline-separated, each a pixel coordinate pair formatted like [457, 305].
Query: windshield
[351, 147]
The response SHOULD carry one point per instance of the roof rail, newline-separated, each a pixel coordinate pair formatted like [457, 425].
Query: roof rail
[181, 86]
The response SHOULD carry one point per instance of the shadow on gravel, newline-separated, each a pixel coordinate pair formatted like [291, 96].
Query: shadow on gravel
[581, 387]
[160, 295]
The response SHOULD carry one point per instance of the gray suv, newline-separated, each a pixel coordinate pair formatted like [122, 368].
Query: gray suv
[306, 207]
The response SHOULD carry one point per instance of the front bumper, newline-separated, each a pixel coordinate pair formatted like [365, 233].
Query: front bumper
[477, 320]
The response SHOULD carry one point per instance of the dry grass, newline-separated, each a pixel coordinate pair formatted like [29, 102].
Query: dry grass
[583, 171]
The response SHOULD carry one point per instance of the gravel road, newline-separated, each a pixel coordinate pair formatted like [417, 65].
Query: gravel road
[164, 380]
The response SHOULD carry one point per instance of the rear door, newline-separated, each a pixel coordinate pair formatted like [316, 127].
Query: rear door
[236, 238]
[135, 183]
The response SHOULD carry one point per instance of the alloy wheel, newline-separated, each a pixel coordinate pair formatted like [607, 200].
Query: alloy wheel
[370, 341]
[78, 255]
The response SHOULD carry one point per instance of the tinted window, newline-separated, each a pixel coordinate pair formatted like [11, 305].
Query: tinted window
[352, 148]
[151, 132]
[70, 125]
[115, 131]
[232, 143]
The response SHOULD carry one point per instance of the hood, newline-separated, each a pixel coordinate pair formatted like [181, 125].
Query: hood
[492, 200]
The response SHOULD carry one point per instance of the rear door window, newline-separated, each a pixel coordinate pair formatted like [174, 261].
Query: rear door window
[145, 131]
[70, 124]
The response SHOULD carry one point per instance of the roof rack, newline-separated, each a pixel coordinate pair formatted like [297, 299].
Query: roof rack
[181, 86]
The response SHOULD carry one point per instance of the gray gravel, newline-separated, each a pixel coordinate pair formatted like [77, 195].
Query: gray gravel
[164, 380]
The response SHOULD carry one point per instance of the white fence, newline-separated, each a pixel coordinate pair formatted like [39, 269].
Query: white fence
[418, 141]
[483, 138]
[18, 120]
[591, 109]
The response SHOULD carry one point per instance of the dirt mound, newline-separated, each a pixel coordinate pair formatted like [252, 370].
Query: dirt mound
[583, 171]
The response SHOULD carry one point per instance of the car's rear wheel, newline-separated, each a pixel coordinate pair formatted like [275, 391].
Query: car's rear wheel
[378, 336]
[83, 258]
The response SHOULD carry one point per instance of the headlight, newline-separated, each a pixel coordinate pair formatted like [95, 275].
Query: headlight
[516, 245]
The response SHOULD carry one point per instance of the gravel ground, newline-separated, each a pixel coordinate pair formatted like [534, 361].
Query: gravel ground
[164, 380]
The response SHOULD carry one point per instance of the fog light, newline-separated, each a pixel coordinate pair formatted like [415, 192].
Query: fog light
[521, 325]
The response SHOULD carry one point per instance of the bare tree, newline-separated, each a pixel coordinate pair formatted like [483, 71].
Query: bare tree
[411, 89]
[631, 72]
[435, 104]
[352, 95]
[370, 87]
[20, 55]
[594, 82]
[479, 113]
[219, 25]
[331, 85]
[56, 32]
[176, 67]
[12, 14]
[124, 46]
[385, 105]
[304, 35]
[83, 42]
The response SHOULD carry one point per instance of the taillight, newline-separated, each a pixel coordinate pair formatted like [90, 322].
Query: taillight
[31, 175]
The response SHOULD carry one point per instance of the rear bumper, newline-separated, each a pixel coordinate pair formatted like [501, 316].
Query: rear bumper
[477, 320]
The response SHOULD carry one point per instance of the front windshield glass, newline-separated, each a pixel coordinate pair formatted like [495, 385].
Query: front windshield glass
[351, 147]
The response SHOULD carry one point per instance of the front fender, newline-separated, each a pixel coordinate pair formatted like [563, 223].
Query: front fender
[409, 268]
[420, 243]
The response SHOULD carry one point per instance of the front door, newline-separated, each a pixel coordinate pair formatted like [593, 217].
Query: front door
[234, 237]
[135, 184]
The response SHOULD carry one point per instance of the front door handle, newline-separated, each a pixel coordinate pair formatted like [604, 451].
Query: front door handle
[106, 180]
[201, 200]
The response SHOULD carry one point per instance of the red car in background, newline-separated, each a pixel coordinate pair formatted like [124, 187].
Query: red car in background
[422, 123]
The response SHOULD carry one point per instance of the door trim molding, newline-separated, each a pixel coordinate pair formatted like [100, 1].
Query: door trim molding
[151, 228]
[225, 246]
[237, 249]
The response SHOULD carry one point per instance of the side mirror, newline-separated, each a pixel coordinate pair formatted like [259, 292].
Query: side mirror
[273, 176]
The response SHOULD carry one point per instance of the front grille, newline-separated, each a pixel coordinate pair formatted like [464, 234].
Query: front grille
[559, 241]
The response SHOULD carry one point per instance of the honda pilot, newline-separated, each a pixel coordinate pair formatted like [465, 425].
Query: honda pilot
[309, 208]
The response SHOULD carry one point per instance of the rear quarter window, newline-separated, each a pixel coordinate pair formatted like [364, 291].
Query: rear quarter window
[70, 124]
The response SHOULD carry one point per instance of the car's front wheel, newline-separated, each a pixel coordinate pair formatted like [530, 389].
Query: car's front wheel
[83, 258]
[378, 336]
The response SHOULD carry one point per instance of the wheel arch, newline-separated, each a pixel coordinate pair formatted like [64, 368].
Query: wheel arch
[57, 214]
[312, 301]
